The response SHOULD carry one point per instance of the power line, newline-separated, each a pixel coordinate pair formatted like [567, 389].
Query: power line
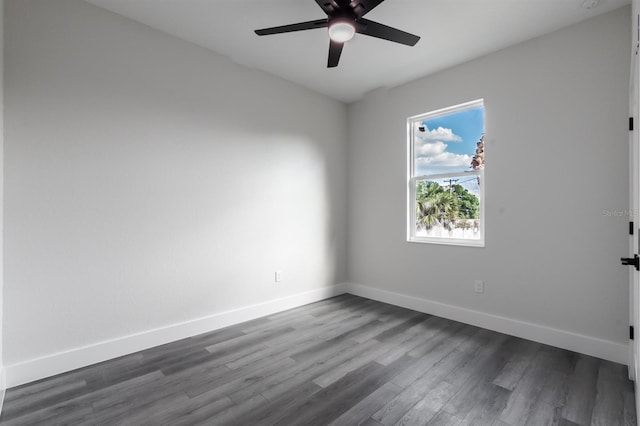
[451, 181]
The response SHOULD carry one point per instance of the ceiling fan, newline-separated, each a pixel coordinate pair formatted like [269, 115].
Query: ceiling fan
[344, 20]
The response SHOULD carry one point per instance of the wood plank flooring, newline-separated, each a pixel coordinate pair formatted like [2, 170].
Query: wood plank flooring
[342, 361]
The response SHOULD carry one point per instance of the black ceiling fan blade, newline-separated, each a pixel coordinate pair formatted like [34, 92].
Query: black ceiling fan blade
[362, 7]
[335, 49]
[301, 26]
[375, 29]
[329, 6]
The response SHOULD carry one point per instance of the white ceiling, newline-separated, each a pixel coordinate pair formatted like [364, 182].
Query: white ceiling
[451, 31]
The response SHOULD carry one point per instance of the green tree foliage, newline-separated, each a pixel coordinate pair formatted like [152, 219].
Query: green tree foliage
[436, 205]
[469, 205]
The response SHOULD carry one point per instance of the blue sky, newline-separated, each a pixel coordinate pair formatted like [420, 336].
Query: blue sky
[469, 125]
[448, 142]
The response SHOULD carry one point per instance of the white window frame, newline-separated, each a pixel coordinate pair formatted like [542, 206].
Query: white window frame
[413, 180]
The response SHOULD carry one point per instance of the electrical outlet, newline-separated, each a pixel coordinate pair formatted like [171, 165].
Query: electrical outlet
[479, 286]
[278, 276]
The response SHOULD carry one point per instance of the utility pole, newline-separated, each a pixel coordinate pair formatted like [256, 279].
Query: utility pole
[451, 182]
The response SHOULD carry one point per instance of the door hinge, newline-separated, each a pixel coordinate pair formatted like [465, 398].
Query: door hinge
[630, 124]
[630, 228]
[630, 332]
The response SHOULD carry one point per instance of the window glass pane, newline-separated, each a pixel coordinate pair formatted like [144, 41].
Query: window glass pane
[449, 207]
[447, 143]
[446, 161]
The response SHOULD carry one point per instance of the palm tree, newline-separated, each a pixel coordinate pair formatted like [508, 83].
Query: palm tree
[427, 214]
[426, 211]
[435, 206]
[448, 209]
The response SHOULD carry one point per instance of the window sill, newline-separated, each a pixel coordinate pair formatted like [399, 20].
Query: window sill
[447, 241]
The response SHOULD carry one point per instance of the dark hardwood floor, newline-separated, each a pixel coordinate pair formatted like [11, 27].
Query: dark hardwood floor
[342, 361]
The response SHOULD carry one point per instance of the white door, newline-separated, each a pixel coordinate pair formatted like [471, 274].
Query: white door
[634, 187]
[634, 277]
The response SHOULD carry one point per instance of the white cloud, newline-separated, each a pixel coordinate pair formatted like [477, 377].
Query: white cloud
[442, 162]
[432, 156]
[430, 149]
[442, 134]
[447, 159]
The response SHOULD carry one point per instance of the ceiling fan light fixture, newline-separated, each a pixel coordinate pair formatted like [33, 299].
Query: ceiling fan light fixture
[341, 31]
[344, 19]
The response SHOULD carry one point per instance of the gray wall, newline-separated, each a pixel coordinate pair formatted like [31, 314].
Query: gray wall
[557, 161]
[150, 182]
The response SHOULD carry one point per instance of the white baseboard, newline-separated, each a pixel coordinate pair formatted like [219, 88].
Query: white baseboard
[36, 369]
[39, 368]
[3, 386]
[605, 349]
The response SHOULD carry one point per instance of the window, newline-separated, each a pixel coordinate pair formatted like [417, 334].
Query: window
[446, 176]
